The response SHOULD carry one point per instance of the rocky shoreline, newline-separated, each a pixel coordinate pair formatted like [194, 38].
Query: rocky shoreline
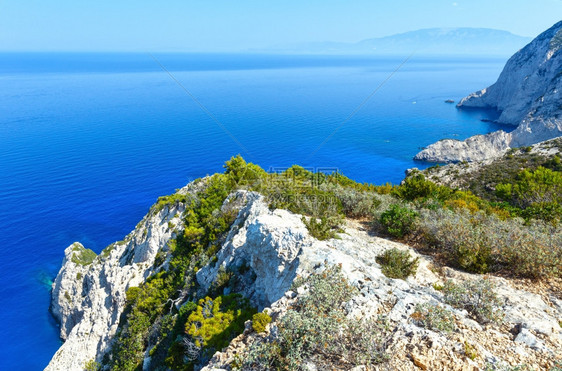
[527, 95]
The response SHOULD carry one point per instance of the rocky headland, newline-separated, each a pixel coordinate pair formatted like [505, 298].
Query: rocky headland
[264, 253]
[527, 95]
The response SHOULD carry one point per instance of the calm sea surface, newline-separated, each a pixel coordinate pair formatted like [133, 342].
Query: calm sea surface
[89, 141]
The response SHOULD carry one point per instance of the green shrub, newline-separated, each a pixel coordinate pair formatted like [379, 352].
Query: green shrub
[321, 230]
[318, 328]
[475, 258]
[553, 164]
[539, 189]
[132, 294]
[129, 349]
[470, 351]
[398, 220]
[169, 200]
[309, 201]
[481, 243]
[82, 256]
[417, 187]
[327, 291]
[437, 286]
[356, 203]
[532, 250]
[397, 263]
[477, 297]
[433, 317]
[215, 322]
[465, 237]
[240, 173]
[260, 321]
[92, 365]
[222, 280]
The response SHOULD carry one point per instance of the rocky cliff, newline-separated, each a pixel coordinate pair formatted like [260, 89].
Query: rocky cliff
[88, 295]
[528, 94]
[276, 247]
[279, 248]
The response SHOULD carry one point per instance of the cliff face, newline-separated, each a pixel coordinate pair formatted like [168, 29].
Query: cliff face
[528, 94]
[88, 295]
[276, 247]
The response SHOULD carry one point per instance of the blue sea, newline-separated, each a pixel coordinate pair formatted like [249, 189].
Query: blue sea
[89, 141]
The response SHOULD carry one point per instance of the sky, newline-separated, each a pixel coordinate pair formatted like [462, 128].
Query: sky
[239, 25]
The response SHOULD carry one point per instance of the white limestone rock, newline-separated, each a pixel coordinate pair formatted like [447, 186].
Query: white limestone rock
[476, 148]
[89, 299]
[527, 338]
[527, 93]
[276, 247]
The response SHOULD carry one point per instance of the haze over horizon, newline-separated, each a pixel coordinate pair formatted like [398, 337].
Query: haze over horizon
[224, 26]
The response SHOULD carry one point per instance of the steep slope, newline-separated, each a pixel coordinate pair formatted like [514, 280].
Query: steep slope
[269, 249]
[88, 297]
[528, 94]
[279, 248]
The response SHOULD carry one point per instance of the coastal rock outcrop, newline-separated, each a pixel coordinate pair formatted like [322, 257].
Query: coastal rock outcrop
[527, 94]
[476, 148]
[461, 175]
[269, 249]
[88, 293]
[277, 247]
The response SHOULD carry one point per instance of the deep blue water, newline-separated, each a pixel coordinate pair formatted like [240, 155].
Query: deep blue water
[89, 141]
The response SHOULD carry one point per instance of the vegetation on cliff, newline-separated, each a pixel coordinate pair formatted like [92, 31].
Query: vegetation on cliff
[318, 329]
[180, 326]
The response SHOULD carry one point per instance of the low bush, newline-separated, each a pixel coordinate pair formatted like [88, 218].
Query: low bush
[416, 187]
[480, 242]
[92, 365]
[397, 263]
[169, 200]
[82, 256]
[322, 230]
[470, 351]
[327, 291]
[398, 220]
[260, 321]
[540, 190]
[215, 322]
[476, 297]
[318, 330]
[433, 317]
[356, 203]
[241, 174]
[462, 235]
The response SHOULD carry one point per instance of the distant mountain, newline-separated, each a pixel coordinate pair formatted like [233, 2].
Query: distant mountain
[461, 41]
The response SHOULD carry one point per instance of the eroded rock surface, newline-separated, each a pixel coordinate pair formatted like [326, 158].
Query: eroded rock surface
[274, 247]
[87, 299]
[527, 94]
